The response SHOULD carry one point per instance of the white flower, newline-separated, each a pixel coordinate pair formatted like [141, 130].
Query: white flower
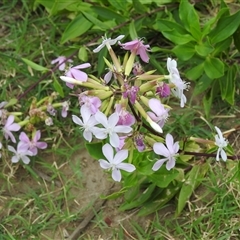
[115, 163]
[170, 152]
[87, 123]
[221, 142]
[22, 152]
[107, 42]
[174, 77]
[110, 128]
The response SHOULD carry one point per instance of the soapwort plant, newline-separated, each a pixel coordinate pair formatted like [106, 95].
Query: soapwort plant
[123, 117]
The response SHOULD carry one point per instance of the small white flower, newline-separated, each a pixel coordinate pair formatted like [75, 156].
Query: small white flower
[110, 128]
[115, 163]
[221, 142]
[174, 77]
[107, 42]
[87, 123]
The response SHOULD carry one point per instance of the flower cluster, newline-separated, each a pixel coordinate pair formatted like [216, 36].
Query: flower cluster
[119, 108]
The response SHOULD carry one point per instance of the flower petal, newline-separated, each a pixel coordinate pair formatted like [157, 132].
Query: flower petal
[104, 164]
[120, 156]
[158, 164]
[128, 167]
[160, 149]
[108, 152]
[116, 175]
[77, 120]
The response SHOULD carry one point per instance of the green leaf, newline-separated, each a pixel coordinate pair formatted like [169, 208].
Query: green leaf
[115, 194]
[193, 180]
[101, 25]
[139, 7]
[82, 54]
[195, 72]
[95, 150]
[119, 4]
[227, 85]
[226, 26]
[166, 195]
[204, 49]
[58, 88]
[236, 37]
[221, 46]
[75, 28]
[184, 52]
[11, 102]
[138, 202]
[132, 30]
[214, 67]
[101, 64]
[34, 65]
[173, 31]
[163, 177]
[190, 19]
[107, 13]
[202, 84]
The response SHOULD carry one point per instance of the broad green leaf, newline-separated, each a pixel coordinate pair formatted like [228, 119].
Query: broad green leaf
[156, 64]
[75, 28]
[184, 52]
[195, 72]
[119, 4]
[204, 49]
[166, 195]
[107, 13]
[58, 88]
[190, 19]
[173, 31]
[221, 46]
[189, 146]
[95, 150]
[227, 85]
[193, 180]
[214, 67]
[226, 26]
[163, 177]
[34, 65]
[60, 5]
[236, 37]
[139, 7]
[202, 84]
[82, 54]
[95, 21]
[140, 199]
[115, 194]
[132, 30]
[208, 25]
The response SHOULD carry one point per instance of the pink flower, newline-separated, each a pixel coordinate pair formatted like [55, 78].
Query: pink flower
[61, 60]
[125, 117]
[138, 47]
[159, 114]
[115, 163]
[139, 143]
[33, 144]
[10, 127]
[131, 92]
[77, 74]
[163, 90]
[92, 104]
[21, 153]
[170, 152]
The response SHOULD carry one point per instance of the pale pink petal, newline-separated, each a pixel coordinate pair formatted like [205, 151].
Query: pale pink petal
[104, 164]
[158, 164]
[116, 175]
[114, 140]
[101, 118]
[82, 66]
[87, 135]
[127, 167]
[24, 138]
[170, 164]
[15, 159]
[25, 159]
[120, 156]
[77, 120]
[108, 152]
[160, 149]
[113, 119]
[122, 129]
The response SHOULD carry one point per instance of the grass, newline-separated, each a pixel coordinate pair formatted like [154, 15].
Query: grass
[48, 199]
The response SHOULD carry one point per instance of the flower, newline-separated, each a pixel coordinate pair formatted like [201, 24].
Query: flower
[22, 152]
[131, 92]
[33, 144]
[159, 114]
[90, 103]
[125, 117]
[49, 121]
[110, 128]
[163, 90]
[65, 107]
[138, 47]
[10, 127]
[221, 142]
[86, 123]
[175, 78]
[61, 62]
[51, 110]
[75, 73]
[139, 142]
[115, 163]
[169, 152]
[108, 42]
